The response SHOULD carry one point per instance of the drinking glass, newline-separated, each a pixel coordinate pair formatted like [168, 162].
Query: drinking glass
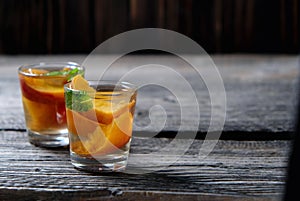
[100, 125]
[42, 88]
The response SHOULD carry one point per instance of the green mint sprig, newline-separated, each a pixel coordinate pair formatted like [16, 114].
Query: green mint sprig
[69, 73]
[78, 101]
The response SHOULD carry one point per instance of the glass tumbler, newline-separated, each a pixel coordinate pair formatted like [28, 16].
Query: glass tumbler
[100, 125]
[42, 88]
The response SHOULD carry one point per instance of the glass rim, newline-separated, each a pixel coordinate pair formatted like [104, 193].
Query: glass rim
[70, 64]
[123, 84]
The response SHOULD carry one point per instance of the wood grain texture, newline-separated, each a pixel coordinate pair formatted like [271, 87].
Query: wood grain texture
[260, 104]
[261, 94]
[234, 170]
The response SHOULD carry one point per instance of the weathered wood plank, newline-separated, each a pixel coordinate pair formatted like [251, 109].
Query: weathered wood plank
[248, 169]
[120, 196]
[261, 94]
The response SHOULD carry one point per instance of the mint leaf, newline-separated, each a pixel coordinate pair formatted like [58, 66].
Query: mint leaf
[72, 73]
[68, 73]
[78, 101]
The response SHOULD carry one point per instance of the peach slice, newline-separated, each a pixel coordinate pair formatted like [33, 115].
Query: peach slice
[97, 139]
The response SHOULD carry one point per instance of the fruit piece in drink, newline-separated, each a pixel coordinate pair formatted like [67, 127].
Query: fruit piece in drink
[105, 127]
[43, 99]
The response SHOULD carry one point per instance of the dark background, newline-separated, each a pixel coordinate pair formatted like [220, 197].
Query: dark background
[219, 26]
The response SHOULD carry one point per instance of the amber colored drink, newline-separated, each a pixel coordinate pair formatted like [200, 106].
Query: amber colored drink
[44, 103]
[100, 121]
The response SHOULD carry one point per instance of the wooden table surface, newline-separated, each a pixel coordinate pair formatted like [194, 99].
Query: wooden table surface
[249, 161]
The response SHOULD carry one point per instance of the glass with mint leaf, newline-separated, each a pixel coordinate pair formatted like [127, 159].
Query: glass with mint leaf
[100, 121]
[42, 87]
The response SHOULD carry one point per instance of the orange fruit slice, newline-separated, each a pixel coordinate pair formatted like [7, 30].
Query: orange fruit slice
[120, 131]
[97, 139]
[78, 124]
[104, 111]
[79, 83]
[40, 116]
[44, 104]
[42, 89]
[104, 129]
[35, 71]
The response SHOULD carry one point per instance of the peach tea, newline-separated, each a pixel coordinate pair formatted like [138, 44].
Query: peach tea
[42, 87]
[100, 119]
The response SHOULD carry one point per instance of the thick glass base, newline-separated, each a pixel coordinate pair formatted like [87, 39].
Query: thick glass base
[49, 139]
[107, 163]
